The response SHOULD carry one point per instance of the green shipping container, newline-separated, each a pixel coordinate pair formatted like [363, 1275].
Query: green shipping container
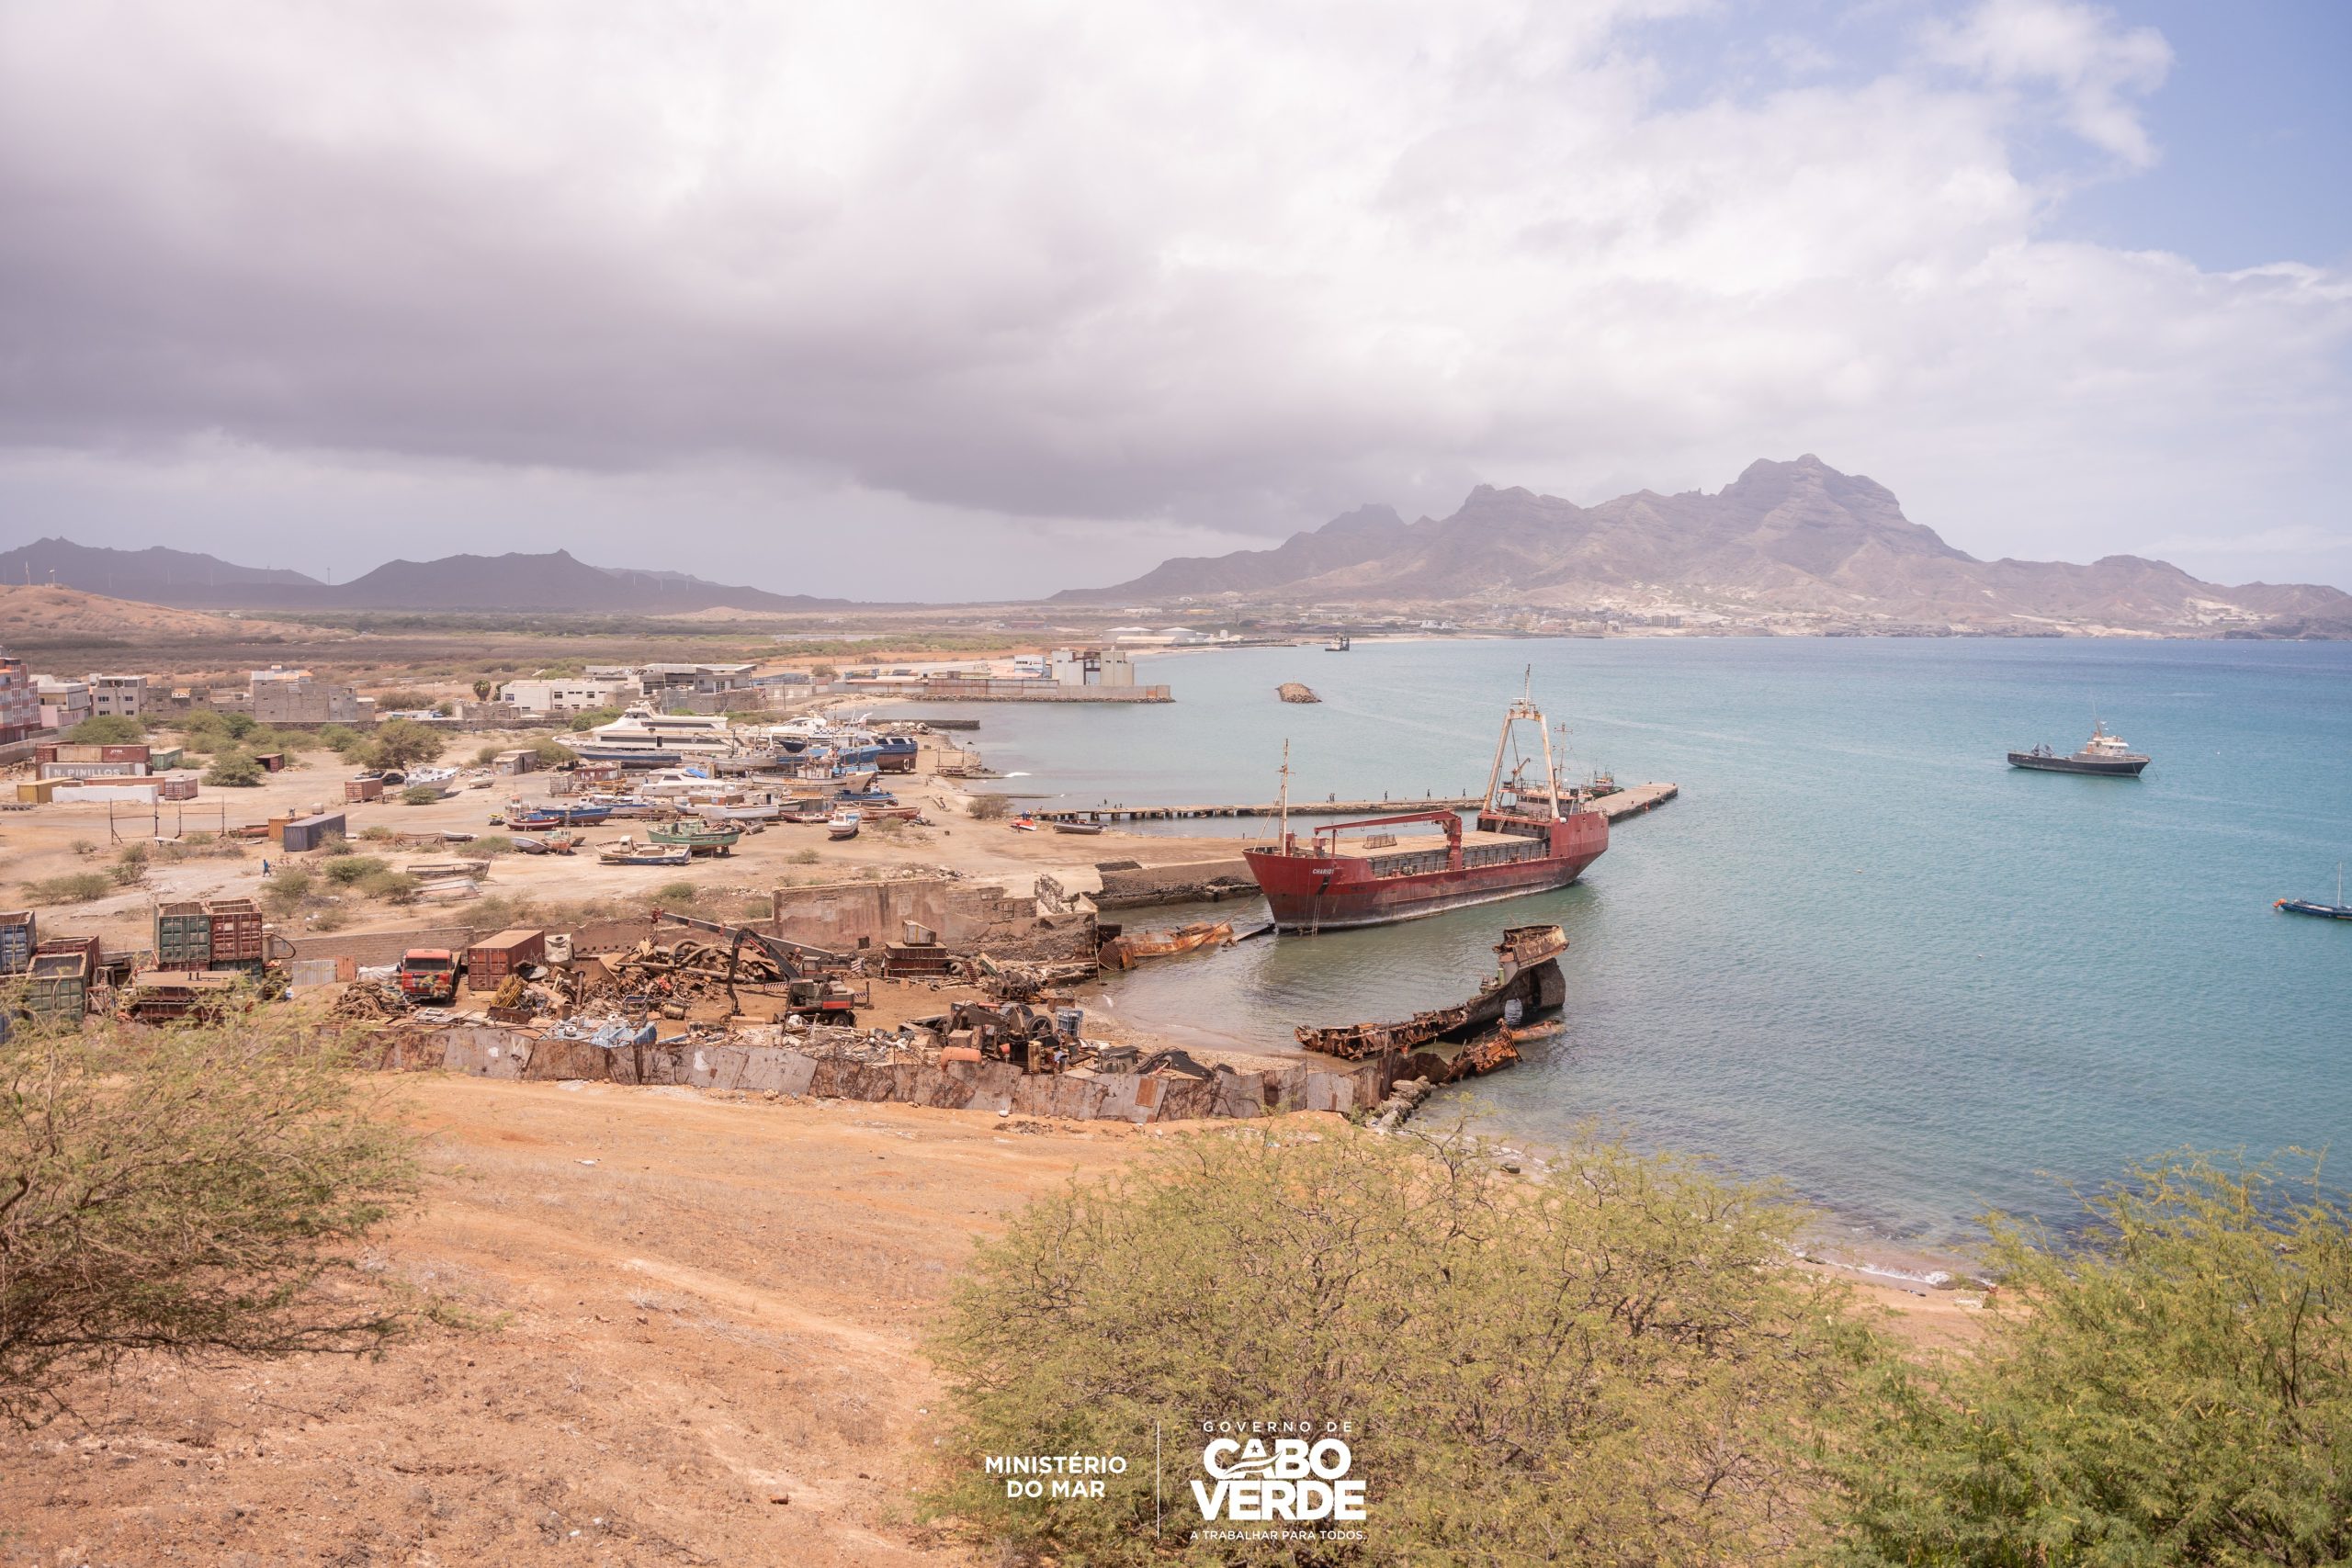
[183, 936]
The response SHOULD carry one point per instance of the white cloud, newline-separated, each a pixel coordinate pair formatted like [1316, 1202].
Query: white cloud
[2078, 50]
[1221, 266]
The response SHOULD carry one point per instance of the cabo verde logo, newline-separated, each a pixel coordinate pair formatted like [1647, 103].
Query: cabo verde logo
[1295, 1480]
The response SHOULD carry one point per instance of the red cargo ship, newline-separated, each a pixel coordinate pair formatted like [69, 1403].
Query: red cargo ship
[1528, 839]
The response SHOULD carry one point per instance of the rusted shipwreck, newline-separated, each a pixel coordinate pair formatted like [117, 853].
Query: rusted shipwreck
[1122, 951]
[1472, 1037]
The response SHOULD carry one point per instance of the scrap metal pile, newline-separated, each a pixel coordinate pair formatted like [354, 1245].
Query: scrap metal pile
[366, 1000]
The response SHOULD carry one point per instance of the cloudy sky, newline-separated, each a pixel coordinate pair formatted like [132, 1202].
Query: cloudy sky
[951, 302]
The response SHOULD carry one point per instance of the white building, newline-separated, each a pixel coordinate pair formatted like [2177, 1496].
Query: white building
[64, 704]
[1092, 667]
[567, 696]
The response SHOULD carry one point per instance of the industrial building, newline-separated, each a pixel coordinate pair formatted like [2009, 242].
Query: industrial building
[567, 696]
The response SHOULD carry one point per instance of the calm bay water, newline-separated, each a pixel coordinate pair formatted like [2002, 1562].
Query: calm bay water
[1860, 952]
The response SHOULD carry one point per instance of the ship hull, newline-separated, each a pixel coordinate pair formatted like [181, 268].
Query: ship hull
[1306, 892]
[2127, 768]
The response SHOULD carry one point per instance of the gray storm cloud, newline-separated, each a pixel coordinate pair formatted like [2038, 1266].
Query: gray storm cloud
[1218, 266]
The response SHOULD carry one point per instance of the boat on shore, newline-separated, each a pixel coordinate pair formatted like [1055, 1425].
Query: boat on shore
[528, 817]
[1528, 838]
[1472, 1037]
[696, 837]
[2339, 910]
[1086, 830]
[627, 851]
[842, 825]
[2103, 754]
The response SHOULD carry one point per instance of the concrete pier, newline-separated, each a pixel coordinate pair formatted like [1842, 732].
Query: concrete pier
[1626, 801]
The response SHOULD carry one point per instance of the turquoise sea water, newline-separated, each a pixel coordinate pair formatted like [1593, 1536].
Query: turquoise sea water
[1860, 952]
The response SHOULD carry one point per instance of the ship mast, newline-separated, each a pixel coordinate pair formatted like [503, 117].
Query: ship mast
[1283, 833]
[1524, 708]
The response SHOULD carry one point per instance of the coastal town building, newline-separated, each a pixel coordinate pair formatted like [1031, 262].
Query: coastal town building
[292, 696]
[1090, 667]
[125, 696]
[64, 704]
[569, 695]
[19, 701]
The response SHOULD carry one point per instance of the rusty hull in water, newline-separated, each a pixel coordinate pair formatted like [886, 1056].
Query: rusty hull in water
[1121, 952]
[1470, 1038]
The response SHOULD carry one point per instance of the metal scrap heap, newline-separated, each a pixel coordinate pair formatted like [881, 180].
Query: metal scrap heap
[366, 1000]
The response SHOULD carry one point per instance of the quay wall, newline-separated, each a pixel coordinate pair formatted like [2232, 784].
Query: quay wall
[495, 1052]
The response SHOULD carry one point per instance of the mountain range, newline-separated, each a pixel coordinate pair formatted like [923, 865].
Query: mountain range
[1794, 538]
[554, 581]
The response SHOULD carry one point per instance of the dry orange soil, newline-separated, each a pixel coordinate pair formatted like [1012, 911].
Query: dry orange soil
[705, 1315]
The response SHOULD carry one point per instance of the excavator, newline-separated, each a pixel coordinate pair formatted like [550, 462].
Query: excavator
[809, 974]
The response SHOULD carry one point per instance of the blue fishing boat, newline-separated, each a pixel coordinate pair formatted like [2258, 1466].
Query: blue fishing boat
[557, 815]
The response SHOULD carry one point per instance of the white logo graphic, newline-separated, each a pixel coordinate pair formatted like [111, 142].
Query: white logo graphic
[1295, 1481]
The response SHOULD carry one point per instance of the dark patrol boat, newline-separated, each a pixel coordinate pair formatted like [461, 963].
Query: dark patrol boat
[2102, 753]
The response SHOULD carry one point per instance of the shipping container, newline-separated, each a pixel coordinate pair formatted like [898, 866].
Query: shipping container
[57, 989]
[166, 759]
[489, 962]
[72, 754]
[308, 832]
[271, 761]
[123, 753]
[87, 948]
[45, 752]
[183, 936]
[179, 786]
[357, 790]
[516, 761]
[103, 770]
[18, 932]
[39, 793]
[236, 931]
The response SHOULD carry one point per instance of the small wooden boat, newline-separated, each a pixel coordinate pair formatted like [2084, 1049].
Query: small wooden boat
[1089, 828]
[2339, 910]
[699, 838]
[626, 851]
[842, 825]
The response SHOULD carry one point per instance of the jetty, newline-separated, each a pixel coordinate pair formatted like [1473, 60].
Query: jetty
[1631, 801]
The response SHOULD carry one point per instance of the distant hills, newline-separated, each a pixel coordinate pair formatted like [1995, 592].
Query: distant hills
[554, 581]
[1786, 538]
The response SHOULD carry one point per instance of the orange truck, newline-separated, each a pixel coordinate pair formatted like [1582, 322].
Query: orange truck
[428, 974]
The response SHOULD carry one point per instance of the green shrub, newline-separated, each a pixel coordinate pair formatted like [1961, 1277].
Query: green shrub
[1610, 1365]
[553, 753]
[403, 743]
[184, 1193]
[345, 869]
[803, 857]
[991, 807]
[391, 886]
[288, 889]
[108, 730]
[593, 717]
[405, 699]
[77, 887]
[420, 794]
[492, 845]
[234, 770]
[486, 755]
[677, 893]
[341, 739]
[2173, 1386]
